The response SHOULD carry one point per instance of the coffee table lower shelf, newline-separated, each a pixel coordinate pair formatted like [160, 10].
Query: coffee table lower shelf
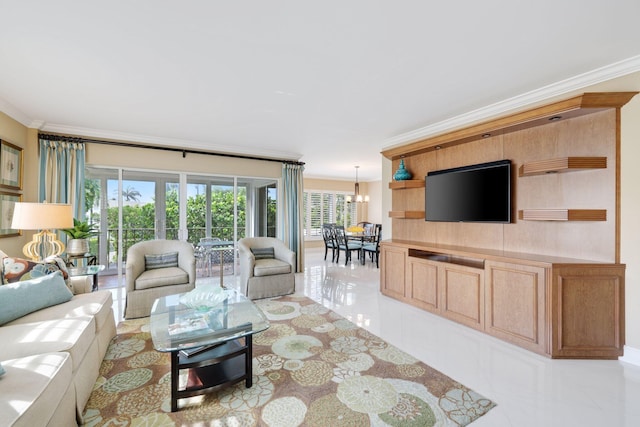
[212, 369]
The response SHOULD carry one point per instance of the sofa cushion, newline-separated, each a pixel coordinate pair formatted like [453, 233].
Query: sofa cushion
[33, 388]
[97, 304]
[263, 253]
[161, 277]
[153, 261]
[27, 296]
[18, 269]
[73, 336]
[270, 266]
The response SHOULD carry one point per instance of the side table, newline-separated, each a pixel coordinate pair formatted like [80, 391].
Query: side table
[72, 260]
[89, 270]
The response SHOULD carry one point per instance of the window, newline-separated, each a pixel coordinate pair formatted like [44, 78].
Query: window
[322, 207]
[152, 207]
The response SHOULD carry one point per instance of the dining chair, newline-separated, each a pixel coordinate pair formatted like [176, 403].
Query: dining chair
[345, 245]
[368, 235]
[373, 247]
[328, 236]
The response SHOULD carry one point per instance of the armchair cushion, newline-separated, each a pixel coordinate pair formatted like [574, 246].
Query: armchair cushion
[270, 266]
[169, 259]
[161, 277]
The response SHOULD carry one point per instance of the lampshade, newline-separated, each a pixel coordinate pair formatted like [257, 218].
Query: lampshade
[42, 216]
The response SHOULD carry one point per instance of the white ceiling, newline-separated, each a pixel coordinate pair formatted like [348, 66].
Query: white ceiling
[329, 83]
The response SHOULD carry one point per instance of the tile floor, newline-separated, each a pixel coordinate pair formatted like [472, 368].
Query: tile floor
[530, 390]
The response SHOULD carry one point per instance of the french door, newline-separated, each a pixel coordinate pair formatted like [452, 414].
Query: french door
[135, 205]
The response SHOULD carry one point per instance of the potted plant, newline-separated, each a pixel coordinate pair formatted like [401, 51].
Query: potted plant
[78, 243]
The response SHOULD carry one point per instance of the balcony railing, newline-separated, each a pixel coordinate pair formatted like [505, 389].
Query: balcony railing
[135, 235]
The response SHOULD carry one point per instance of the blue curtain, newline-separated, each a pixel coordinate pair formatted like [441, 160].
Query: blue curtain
[293, 211]
[62, 173]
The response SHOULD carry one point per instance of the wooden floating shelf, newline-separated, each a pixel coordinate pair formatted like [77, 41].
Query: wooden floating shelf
[563, 164]
[407, 214]
[563, 214]
[410, 183]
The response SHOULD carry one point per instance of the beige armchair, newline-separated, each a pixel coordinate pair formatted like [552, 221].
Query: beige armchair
[153, 272]
[268, 270]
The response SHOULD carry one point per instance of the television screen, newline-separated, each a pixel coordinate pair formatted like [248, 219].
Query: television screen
[476, 193]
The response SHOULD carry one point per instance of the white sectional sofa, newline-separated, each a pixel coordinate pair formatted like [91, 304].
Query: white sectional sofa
[51, 357]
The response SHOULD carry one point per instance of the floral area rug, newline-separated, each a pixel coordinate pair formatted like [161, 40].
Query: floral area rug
[312, 367]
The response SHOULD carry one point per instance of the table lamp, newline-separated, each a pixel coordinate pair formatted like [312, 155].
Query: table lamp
[44, 217]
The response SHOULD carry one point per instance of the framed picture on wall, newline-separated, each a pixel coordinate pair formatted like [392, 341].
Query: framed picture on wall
[7, 204]
[10, 166]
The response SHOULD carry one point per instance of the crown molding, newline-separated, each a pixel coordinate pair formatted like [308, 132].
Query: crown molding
[15, 113]
[167, 142]
[526, 100]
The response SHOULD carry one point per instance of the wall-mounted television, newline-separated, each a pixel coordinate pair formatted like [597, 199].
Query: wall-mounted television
[475, 193]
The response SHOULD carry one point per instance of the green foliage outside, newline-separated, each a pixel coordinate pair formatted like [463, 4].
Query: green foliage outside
[138, 221]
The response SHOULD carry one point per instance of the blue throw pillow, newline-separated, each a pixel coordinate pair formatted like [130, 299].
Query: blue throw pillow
[263, 253]
[170, 259]
[24, 297]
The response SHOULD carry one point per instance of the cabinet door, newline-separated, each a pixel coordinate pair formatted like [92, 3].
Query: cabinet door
[392, 271]
[422, 284]
[515, 304]
[588, 311]
[462, 294]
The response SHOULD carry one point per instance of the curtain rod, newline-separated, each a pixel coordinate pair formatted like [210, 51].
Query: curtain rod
[184, 151]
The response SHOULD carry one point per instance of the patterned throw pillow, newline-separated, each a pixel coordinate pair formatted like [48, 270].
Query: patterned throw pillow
[18, 269]
[263, 253]
[170, 259]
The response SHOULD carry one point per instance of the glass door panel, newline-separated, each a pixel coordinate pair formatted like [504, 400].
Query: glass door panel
[223, 225]
[222, 209]
[101, 209]
[198, 213]
[150, 206]
[261, 207]
[171, 211]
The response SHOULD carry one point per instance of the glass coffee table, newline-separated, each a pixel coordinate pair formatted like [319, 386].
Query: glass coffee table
[214, 345]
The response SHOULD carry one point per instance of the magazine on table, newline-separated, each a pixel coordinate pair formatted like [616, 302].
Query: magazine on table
[189, 325]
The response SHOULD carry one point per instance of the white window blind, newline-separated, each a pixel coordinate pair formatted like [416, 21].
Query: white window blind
[326, 207]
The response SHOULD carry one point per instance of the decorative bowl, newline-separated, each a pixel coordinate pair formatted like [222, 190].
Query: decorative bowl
[204, 297]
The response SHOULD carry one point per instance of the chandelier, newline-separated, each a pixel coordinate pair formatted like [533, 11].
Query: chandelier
[357, 197]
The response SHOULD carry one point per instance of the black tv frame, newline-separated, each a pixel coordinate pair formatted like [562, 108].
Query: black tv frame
[481, 193]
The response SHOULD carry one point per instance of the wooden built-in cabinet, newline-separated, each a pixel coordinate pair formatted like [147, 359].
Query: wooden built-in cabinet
[550, 280]
[557, 307]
